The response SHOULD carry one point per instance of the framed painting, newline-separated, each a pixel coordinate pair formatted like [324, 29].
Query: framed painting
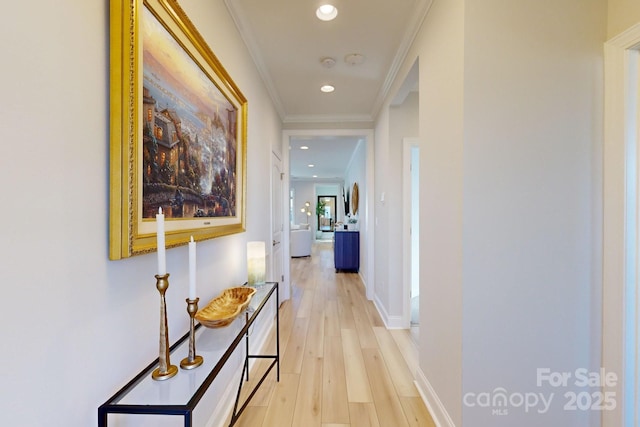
[178, 132]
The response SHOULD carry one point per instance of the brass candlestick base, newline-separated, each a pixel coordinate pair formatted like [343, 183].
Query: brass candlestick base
[166, 370]
[192, 361]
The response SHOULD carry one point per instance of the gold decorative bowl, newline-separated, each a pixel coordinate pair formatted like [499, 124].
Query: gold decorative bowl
[224, 308]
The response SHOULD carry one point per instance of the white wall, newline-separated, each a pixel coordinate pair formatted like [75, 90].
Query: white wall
[439, 47]
[381, 220]
[532, 201]
[75, 326]
[357, 173]
[304, 191]
[511, 121]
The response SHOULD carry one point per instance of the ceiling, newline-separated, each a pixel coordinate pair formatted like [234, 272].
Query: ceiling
[288, 43]
[328, 155]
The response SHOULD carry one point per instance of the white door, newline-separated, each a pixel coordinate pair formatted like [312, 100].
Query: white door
[277, 223]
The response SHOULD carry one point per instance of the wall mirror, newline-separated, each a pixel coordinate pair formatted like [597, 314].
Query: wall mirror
[326, 213]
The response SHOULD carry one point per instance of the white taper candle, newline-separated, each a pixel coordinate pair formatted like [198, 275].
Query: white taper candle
[162, 259]
[192, 269]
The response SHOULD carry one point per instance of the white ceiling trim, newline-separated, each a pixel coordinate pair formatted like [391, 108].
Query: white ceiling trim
[337, 180]
[420, 12]
[317, 118]
[235, 10]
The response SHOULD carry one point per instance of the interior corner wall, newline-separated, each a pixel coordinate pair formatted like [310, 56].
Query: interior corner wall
[532, 207]
[381, 219]
[75, 326]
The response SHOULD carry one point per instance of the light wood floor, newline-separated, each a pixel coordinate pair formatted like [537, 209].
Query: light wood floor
[339, 366]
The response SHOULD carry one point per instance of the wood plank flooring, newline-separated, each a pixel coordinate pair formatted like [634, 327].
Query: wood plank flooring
[340, 367]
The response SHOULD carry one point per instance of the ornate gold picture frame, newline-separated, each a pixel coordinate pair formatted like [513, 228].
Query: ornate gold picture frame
[178, 132]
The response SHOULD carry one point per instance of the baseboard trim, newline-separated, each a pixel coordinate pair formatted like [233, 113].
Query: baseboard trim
[381, 309]
[395, 322]
[437, 410]
[390, 322]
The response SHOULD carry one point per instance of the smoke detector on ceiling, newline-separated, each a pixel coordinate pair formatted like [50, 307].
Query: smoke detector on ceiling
[354, 59]
[327, 62]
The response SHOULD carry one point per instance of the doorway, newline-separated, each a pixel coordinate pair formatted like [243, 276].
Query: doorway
[621, 238]
[631, 339]
[415, 235]
[367, 199]
[411, 233]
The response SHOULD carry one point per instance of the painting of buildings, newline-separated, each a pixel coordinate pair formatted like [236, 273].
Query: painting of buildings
[189, 150]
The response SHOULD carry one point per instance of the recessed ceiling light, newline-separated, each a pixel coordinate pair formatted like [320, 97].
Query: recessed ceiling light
[314, 176]
[311, 166]
[327, 88]
[326, 12]
[304, 147]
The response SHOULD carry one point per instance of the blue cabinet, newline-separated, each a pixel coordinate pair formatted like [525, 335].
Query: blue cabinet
[346, 250]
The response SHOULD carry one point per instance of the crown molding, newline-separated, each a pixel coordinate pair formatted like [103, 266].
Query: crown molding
[236, 12]
[420, 13]
[325, 118]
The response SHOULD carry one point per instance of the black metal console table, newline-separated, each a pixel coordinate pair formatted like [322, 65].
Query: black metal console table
[180, 395]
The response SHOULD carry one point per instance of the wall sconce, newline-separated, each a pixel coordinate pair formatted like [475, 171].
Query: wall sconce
[256, 263]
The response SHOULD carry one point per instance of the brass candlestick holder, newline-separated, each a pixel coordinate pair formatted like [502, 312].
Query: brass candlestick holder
[166, 370]
[193, 361]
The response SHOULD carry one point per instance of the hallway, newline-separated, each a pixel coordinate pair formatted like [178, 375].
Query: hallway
[340, 366]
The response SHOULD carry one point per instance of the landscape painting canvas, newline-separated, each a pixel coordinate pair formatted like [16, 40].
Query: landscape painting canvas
[178, 132]
[189, 133]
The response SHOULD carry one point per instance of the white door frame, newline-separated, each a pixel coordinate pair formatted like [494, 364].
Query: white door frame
[407, 145]
[278, 238]
[620, 238]
[367, 256]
